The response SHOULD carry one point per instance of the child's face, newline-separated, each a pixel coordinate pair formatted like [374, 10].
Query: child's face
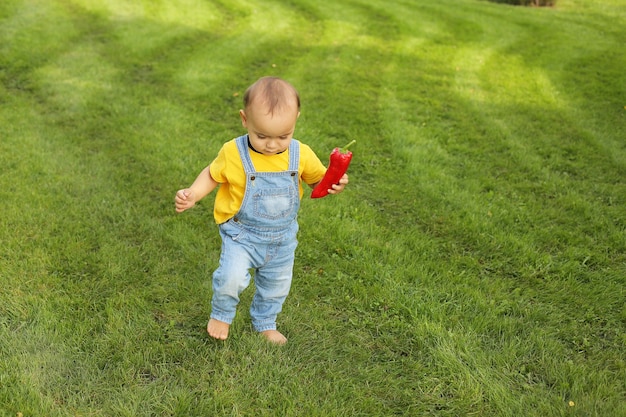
[269, 133]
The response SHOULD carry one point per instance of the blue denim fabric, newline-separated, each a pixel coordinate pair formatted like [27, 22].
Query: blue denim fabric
[260, 237]
[272, 262]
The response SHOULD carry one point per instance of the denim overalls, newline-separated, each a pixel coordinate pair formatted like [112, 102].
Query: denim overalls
[261, 236]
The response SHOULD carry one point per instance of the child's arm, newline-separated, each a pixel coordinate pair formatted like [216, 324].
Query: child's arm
[201, 187]
[336, 188]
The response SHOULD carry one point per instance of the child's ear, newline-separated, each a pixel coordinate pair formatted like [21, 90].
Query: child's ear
[298, 115]
[244, 119]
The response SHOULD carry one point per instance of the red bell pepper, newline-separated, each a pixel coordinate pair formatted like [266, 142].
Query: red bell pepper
[339, 162]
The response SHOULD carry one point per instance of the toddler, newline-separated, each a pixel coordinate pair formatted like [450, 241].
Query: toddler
[260, 177]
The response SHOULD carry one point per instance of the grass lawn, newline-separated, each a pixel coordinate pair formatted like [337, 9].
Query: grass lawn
[475, 266]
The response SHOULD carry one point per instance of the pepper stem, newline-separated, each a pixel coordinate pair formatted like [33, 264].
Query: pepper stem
[345, 148]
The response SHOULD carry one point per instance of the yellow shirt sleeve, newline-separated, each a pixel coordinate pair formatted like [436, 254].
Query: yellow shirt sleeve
[227, 170]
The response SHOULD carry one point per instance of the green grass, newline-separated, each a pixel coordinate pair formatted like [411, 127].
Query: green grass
[476, 264]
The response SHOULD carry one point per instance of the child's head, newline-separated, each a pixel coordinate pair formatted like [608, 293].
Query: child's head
[274, 93]
[271, 109]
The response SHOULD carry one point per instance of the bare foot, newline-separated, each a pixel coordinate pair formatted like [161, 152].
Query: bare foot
[217, 329]
[274, 336]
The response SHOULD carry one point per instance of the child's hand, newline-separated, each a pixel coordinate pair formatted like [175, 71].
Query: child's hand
[184, 200]
[337, 188]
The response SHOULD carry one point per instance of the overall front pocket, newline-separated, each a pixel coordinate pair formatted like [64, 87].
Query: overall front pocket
[275, 203]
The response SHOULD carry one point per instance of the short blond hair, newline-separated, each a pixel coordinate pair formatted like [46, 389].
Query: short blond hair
[274, 92]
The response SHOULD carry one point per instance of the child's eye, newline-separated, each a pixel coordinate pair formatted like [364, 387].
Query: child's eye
[260, 136]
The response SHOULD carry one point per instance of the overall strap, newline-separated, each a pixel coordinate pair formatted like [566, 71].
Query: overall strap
[242, 147]
[294, 155]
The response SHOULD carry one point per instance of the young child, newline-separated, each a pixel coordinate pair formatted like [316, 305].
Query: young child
[260, 178]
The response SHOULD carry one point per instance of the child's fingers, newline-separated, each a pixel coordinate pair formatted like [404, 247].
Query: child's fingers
[182, 196]
[182, 200]
[180, 207]
[337, 188]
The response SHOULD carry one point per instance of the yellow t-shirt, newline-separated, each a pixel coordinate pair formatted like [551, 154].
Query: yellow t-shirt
[228, 171]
